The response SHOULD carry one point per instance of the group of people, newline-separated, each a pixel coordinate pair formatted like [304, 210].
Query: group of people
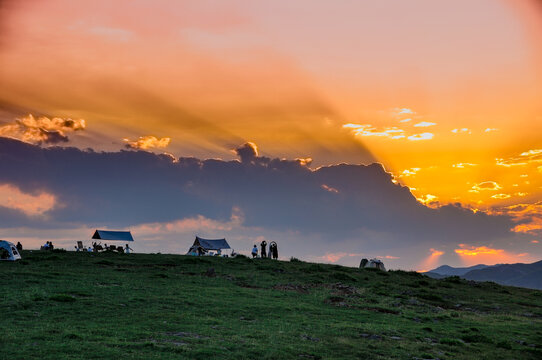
[273, 252]
[47, 246]
[98, 247]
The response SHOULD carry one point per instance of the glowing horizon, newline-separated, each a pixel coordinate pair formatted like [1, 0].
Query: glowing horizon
[445, 95]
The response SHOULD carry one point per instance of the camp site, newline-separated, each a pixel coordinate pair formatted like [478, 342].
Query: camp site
[205, 304]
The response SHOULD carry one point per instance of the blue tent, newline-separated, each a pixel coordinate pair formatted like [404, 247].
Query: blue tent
[113, 235]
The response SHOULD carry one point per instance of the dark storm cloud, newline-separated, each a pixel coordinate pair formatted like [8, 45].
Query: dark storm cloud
[133, 187]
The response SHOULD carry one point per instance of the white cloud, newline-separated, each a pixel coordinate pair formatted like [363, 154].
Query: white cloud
[463, 165]
[427, 199]
[405, 120]
[424, 124]
[525, 158]
[369, 130]
[501, 196]
[491, 129]
[462, 131]
[409, 172]
[422, 136]
[401, 111]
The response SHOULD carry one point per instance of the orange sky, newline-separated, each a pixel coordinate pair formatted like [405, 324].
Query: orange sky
[445, 94]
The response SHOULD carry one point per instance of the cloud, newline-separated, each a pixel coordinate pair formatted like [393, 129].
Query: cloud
[247, 152]
[42, 130]
[487, 255]
[463, 165]
[405, 120]
[427, 199]
[147, 142]
[30, 204]
[485, 186]
[369, 130]
[283, 197]
[330, 189]
[525, 158]
[462, 131]
[409, 172]
[501, 196]
[431, 260]
[401, 111]
[422, 136]
[424, 124]
[491, 130]
[527, 216]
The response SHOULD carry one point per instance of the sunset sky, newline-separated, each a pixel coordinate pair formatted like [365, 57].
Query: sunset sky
[445, 95]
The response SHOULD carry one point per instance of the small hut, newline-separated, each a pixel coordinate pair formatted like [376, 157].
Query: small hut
[203, 246]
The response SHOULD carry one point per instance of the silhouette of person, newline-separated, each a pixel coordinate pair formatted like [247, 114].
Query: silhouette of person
[275, 250]
[19, 246]
[263, 245]
[254, 251]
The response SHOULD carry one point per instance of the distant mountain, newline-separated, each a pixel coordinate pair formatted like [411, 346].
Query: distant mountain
[451, 271]
[524, 275]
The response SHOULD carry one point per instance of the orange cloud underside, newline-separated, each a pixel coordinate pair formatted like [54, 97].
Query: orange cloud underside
[13, 198]
[472, 255]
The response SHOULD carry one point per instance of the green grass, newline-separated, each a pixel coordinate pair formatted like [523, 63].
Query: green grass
[105, 306]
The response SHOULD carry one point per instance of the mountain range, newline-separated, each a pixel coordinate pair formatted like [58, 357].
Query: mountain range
[523, 275]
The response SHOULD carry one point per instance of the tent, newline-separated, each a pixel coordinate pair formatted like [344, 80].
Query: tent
[111, 235]
[376, 264]
[8, 251]
[204, 245]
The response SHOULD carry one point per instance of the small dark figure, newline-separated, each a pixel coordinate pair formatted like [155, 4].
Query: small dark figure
[263, 245]
[274, 250]
[127, 249]
[363, 263]
[19, 246]
[51, 246]
[200, 251]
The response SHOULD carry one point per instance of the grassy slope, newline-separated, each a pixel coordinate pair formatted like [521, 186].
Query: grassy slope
[81, 306]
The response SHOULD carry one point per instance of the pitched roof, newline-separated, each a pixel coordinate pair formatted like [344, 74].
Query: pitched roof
[113, 235]
[214, 244]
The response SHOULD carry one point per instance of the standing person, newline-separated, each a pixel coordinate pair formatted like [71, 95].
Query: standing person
[275, 251]
[127, 249]
[19, 246]
[254, 251]
[270, 253]
[263, 245]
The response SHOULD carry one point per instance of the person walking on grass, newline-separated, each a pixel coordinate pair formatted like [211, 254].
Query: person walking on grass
[254, 251]
[127, 249]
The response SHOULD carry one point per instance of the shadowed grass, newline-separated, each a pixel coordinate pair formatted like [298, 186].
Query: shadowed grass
[146, 306]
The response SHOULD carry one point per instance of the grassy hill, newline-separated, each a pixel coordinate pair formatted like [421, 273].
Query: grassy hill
[104, 306]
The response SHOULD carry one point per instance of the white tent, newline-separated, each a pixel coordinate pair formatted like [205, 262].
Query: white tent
[375, 263]
[8, 251]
